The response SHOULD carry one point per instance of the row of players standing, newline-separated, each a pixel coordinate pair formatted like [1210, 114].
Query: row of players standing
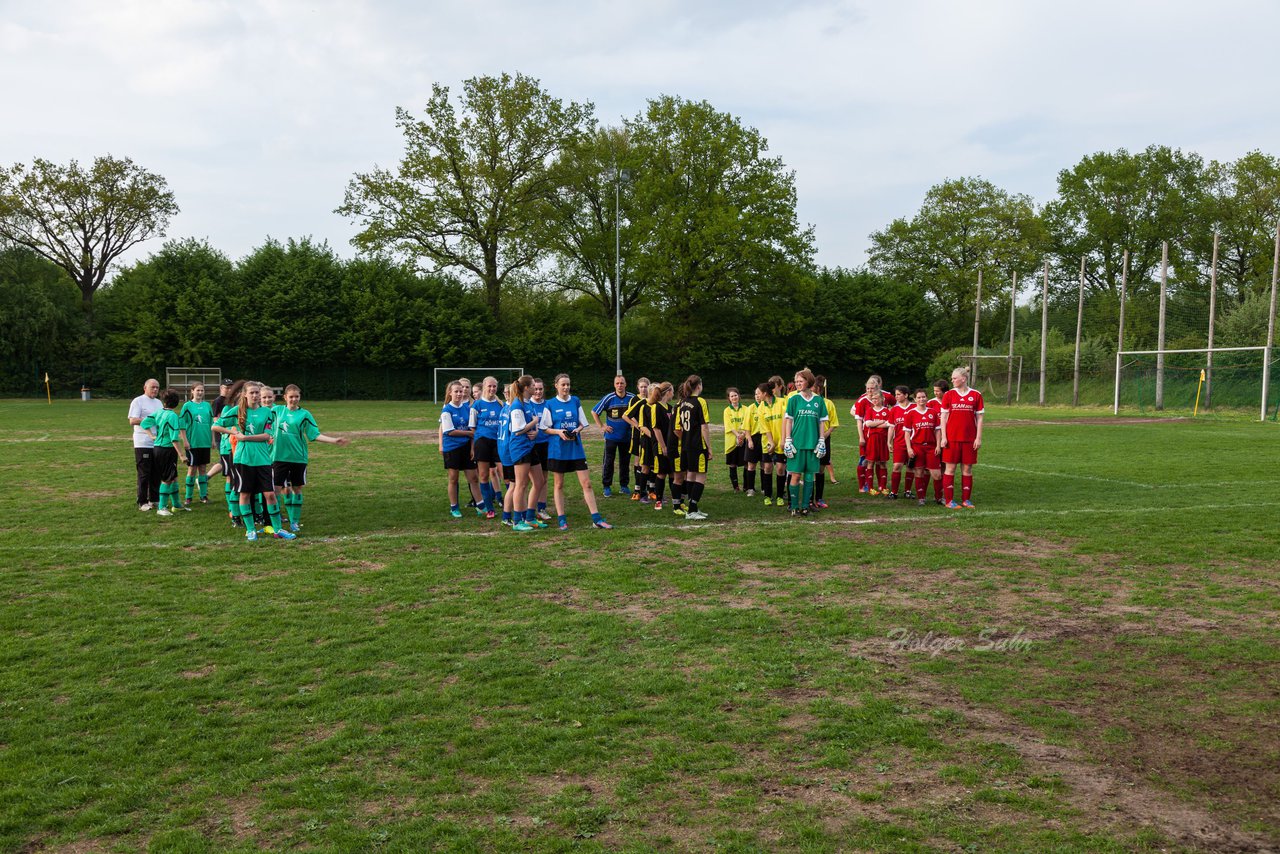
[262, 450]
[930, 440]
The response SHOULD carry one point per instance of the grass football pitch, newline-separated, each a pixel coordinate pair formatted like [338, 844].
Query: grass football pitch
[1090, 661]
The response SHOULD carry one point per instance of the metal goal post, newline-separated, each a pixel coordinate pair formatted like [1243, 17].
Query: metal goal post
[183, 379]
[1266, 367]
[435, 376]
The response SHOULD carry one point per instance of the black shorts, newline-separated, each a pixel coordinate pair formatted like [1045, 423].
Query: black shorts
[780, 459]
[289, 474]
[658, 464]
[250, 480]
[825, 459]
[736, 457]
[164, 465]
[540, 454]
[486, 450]
[509, 473]
[459, 458]
[530, 459]
[566, 466]
[693, 457]
[197, 457]
[228, 467]
[753, 454]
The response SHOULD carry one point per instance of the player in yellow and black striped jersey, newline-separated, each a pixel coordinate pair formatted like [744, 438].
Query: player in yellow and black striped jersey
[631, 416]
[694, 430]
[654, 423]
[777, 413]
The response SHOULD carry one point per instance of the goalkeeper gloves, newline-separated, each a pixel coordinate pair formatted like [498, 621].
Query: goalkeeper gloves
[789, 449]
[821, 450]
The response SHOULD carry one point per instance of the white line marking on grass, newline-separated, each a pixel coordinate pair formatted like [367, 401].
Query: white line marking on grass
[1136, 483]
[426, 536]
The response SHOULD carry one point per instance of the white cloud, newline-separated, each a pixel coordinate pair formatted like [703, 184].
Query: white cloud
[259, 112]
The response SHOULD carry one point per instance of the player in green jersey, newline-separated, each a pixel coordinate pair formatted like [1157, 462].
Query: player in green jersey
[252, 457]
[197, 420]
[294, 428]
[166, 426]
[803, 442]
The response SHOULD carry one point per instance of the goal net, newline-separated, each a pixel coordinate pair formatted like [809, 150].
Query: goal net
[441, 377]
[1197, 381]
[183, 379]
[998, 377]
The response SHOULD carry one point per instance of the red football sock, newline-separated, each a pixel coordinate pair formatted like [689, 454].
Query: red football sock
[897, 481]
[881, 474]
[966, 486]
[938, 488]
[862, 475]
[948, 487]
[922, 486]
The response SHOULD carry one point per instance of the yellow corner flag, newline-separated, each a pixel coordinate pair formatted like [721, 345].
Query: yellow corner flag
[1196, 411]
[48, 393]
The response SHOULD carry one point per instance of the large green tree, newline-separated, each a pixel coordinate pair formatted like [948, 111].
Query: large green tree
[964, 226]
[715, 224]
[470, 192]
[1110, 202]
[83, 220]
[1243, 205]
[590, 220]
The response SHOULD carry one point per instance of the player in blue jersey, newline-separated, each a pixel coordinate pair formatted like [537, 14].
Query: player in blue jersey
[516, 441]
[538, 471]
[564, 420]
[486, 412]
[455, 442]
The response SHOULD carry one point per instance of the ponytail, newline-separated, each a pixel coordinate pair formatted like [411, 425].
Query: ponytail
[690, 386]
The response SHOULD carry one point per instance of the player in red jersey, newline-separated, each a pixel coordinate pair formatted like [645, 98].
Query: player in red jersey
[922, 436]
[940, 387]
[876, 429]
[898, 439]
[858, 411]
[961, 436]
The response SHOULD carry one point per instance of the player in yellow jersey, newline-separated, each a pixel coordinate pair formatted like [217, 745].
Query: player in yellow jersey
[832, 422]
[779, 411]
[735, 435]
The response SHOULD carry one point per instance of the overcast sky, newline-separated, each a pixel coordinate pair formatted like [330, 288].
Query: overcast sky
[258, 113]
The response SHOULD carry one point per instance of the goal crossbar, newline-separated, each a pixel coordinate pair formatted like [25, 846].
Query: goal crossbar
[1266, 367]
[435, 376]
[183, 377]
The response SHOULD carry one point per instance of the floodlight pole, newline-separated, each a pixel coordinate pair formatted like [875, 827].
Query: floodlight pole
[617, 268]
[977, 316]
[1164, 300]
[1013, 301]
[1213, 303]
[1075, 382]
[1044, 331]
[1271, 326]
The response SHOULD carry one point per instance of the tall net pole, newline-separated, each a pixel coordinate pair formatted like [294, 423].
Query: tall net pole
[1213, 304]
[1164, 299]
[1044, 331]
[1013, 302]
[1075, 381]
[977, 317]
[1271, 327]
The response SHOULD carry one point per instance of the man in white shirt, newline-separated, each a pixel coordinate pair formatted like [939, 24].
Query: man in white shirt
[143, 405]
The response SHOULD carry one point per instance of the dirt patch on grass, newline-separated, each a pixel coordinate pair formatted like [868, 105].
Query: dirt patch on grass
[355, 567]
[1108, 784]
[199, 673]
[649, 607]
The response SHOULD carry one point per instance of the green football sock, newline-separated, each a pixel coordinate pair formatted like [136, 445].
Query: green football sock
[203, 480]
[297, 508]
[808, 490]
[246, 513]
[233, 501]
[793, 490]
[273, 510]
[191, 486]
